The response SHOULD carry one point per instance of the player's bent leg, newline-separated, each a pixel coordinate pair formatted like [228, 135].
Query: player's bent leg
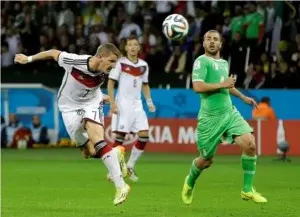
[199, 164]
[109, 157]
[209, 132]
[247, 143]
[136, 152]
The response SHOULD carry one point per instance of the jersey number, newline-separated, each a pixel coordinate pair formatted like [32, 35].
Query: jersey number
[86, 93]
[134, 83]
[99, 112]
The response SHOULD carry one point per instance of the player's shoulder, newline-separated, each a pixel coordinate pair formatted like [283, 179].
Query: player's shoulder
[122, 59]
[142, 62]
[70, 58]
[202, 59]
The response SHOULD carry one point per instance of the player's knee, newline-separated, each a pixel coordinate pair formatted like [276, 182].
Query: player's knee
[143, 134]
[141, 142]
[249, 146]
[202, 164]
[208, 163]
[119, 139]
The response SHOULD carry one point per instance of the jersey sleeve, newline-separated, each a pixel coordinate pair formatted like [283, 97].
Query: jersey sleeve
[114, 74]
[67, 60]
[145, 76]
[199, 70]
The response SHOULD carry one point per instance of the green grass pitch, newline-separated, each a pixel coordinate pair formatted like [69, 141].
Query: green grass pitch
[59, 183]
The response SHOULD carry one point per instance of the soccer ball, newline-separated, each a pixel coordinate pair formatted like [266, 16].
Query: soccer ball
[175, 27]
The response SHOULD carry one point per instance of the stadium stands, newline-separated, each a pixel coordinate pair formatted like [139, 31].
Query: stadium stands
[264, 54]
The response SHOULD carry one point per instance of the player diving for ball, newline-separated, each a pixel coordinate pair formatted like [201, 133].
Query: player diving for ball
[218, 118]
[128, 115]
[80, 101]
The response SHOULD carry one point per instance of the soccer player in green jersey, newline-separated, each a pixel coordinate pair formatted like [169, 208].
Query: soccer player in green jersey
[219, 118]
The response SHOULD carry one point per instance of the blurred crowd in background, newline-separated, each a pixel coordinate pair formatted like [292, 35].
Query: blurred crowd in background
[261, 40]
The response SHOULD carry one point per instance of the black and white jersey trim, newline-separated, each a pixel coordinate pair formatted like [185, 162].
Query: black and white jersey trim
[74, 62]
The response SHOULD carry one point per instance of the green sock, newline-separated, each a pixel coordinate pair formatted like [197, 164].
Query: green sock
[193, 176]
[249, 167]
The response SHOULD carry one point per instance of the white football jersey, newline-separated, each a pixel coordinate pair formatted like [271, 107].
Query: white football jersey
[130, 77]
[80, 86]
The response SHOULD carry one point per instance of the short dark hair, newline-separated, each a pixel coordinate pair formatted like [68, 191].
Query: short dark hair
[212, 31]
[132, 37]
[265, 99]
[108, 48]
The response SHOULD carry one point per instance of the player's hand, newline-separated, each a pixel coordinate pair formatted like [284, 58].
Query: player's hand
[113, 109]
[152, 108]
[105, 99]
[229, 82]
[21, 59]
[151, 105]
[250, 101]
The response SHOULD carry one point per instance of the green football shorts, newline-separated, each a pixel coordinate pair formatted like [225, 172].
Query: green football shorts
[211, 128]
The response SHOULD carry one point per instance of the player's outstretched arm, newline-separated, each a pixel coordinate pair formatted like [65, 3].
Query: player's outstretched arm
[45, 55]
[237, 93]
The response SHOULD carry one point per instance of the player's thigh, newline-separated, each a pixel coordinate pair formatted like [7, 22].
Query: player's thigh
[237, 126]
[122, 121]
[140, 124]
[74, 126]
[209, 132]
[94, 123]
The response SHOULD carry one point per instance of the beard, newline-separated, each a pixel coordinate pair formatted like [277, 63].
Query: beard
[212, 53]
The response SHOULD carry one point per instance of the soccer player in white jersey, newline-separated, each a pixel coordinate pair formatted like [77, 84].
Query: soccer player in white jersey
[128, 115]
[80, 100]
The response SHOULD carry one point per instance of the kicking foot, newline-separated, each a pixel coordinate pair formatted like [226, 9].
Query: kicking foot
[187, 193]
[121, 195]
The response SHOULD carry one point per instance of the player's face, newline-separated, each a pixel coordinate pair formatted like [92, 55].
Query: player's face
[132, 47]
[107, 63]
[212, 43]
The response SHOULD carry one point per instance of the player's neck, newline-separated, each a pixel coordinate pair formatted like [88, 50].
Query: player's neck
[92, 64]
[217, 56]
[133, 59]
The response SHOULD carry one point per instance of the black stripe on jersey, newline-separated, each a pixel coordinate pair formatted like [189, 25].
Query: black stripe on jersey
[79, 61]
[74, 62]
[65, 58]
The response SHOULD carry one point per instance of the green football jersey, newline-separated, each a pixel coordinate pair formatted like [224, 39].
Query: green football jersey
[210, 70]
[254, 20]
[237, 25]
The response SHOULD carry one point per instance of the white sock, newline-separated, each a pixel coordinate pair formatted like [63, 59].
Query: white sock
[110, 159]
[134, 156]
